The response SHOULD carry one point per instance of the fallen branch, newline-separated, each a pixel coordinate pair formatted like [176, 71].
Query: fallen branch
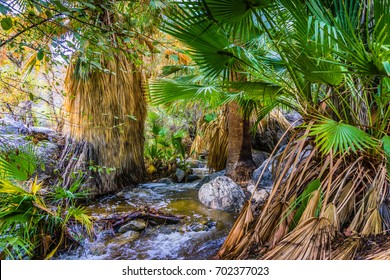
[153, 217]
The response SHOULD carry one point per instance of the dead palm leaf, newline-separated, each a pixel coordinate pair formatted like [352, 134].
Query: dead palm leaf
[107, 109]
[331, 214]
[214, 139]
[311, 240]
[347, 250]
[240, 229]
[380, 253]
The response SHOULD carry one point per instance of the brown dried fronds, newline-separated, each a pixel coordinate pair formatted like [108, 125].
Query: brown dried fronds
[108, 110]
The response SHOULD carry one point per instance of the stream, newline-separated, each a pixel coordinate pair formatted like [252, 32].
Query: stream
[198, 235]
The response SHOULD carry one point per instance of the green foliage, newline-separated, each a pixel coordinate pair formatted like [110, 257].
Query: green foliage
[308, 56]
[302, 201]
[6, 23]
[329, 61]
[34, 222]
[164, 148]
[18, 163]
[340, 137]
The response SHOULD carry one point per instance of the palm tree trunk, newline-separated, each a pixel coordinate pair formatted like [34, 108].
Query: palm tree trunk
[105, 127]
[240, 164]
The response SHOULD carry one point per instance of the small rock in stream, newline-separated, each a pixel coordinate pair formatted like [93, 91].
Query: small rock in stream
[125, 238]
[137, 225]
[180, 174]
[167, 181]
[192, 178]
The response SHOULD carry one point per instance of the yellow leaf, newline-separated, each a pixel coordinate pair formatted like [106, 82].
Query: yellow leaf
[35, 187]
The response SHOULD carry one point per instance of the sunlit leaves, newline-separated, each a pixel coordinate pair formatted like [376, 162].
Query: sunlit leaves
[163, 91]
[386, 145]
[40, 54]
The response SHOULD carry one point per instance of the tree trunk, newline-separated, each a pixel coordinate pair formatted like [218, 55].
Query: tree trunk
[105, 128]
[240, 164]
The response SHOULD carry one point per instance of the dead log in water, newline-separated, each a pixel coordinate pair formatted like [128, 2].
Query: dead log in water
[153, 218]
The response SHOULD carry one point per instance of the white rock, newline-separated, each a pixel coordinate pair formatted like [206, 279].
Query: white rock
[222, 193]
[260, 195]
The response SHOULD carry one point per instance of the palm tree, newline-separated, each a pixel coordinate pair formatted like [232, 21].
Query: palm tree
[221, 63]
[105, 102]
[331, 60]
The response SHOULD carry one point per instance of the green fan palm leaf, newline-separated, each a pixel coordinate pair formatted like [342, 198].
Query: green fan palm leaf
[164, 91]
[338, 137]
[18, 163]
[237, 17]
[208, 43]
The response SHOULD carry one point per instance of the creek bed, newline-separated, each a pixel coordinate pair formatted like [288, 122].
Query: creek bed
[197, 236]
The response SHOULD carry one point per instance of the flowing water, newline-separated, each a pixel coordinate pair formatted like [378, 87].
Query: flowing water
[197, 236]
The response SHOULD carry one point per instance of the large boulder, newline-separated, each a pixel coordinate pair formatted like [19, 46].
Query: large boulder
[259, 157]
[267, 180]
[294, 118]
[222, 193]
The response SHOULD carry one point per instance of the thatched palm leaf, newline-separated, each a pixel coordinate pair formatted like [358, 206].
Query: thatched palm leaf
[380, 253]
[241, 227]
[309, 241]
[347, 250]
[213, 134]
[108, 110]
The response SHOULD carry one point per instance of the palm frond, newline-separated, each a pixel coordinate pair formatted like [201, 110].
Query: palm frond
[237, 16]
[240, 229]
[347, 250]
[340, 137]
[80, 215]
[164, 91]
[208, 44]
[309, 241]
[382, 20]
[18, 163]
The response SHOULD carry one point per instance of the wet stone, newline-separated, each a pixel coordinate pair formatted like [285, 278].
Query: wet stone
[136, 225]
[98, 249]
[192, 178]
[167, 181]
[125, 238]
[180, 174]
